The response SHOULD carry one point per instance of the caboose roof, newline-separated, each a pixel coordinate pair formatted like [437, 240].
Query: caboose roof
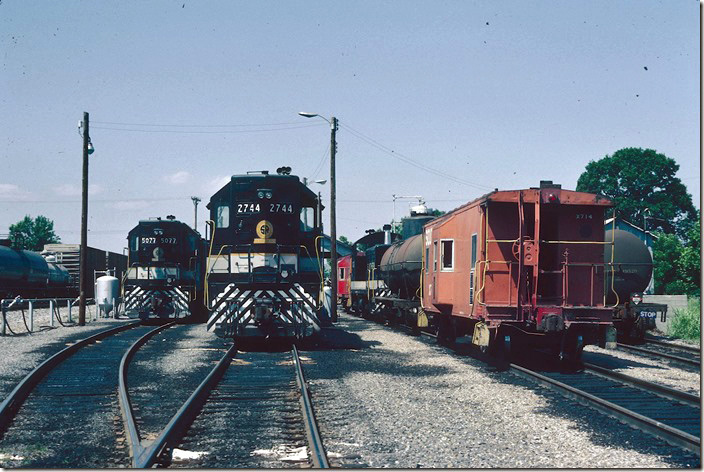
[531, 195]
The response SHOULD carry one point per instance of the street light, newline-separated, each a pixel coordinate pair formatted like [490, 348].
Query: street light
[333, 229]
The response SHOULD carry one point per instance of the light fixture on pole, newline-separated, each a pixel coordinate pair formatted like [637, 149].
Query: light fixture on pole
[333, 228]
[196, 200]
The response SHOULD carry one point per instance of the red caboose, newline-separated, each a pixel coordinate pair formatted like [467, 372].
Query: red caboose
[344, 265]
[523, 267]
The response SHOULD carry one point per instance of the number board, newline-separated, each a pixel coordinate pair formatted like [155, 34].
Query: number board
[251, 208]
[159, 240]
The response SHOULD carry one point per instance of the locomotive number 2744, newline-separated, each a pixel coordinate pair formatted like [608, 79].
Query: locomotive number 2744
[256, 208]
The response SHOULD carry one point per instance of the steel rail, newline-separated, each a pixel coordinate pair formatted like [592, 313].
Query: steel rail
[186, 414]
[13, 402]
[317, 449]
[692, 349]
[668, 392]
[135, 444]
[684, 360]
[668, 433]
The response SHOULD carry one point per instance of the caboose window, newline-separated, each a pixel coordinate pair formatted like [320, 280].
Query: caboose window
[222, 216]
[342, 273]
[435, 256]
[447, 254]
[474, 250]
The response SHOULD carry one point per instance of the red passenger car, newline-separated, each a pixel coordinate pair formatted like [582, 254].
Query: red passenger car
[523, 267]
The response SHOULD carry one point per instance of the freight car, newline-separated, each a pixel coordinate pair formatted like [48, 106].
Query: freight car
[98, 261]
[166, 271]
[522, 267]
[29, 275]
[633, 267]
[263, 275]
[512, 269]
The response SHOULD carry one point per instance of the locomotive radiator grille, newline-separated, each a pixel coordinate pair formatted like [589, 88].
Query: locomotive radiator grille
[234, 311]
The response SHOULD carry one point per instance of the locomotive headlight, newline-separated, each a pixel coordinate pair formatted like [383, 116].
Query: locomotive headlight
[268, 195]
[284, 274]
[260, 194]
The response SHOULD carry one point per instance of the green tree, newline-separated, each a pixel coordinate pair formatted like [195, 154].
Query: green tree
[689, 262]
[642, 183]
[343, 239]
[667, 250]
[677, 265]
[33, 234]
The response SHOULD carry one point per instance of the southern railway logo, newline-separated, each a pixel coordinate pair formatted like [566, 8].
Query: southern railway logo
[265, 230]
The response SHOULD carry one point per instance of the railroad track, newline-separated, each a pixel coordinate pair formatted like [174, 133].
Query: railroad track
[677, 421]
[690, 357]
[247, 406]
[66, 399]
[677, 347]
[664, 412]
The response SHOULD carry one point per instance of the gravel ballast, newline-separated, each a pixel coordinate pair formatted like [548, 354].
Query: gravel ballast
[386, 399]
[659, 371]
[23, 352]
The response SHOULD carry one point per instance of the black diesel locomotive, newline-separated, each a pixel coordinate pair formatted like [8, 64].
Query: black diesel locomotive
[263, 273]
[166, 270]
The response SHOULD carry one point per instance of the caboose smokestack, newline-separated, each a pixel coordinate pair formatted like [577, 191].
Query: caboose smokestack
[387, 234]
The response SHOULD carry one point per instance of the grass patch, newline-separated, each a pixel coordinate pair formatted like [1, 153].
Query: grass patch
[686, 322]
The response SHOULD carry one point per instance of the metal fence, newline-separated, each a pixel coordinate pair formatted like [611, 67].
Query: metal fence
[17, 307]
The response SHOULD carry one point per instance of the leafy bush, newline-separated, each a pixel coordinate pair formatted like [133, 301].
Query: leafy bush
[685, 323]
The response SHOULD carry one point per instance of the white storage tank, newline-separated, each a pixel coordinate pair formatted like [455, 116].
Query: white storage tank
[107, 291]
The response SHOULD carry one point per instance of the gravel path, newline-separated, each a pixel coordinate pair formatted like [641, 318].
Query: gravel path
[385, 399]
[646, 368]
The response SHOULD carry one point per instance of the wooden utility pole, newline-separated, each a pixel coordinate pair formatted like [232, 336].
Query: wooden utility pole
[333, 227]
[83, 284]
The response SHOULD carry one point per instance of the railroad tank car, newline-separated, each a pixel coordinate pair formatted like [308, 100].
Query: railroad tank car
[166, 271]
[28, 274]
[633, 268]
[521, 268]
[263, 275]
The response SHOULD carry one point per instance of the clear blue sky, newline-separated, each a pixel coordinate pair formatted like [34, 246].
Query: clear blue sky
[486, 93]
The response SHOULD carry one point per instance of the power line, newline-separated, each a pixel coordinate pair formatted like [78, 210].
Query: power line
[410, 161]
[196, 126]
[323, 160]
[163, 199]
[263, 130]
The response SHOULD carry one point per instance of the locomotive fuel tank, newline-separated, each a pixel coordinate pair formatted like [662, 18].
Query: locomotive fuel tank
[633, 266]
[401, 265]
